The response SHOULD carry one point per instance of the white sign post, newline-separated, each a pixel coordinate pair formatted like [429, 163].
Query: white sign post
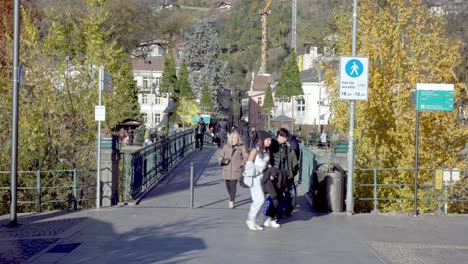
[100, 113]
[105, 84]
[354, 78]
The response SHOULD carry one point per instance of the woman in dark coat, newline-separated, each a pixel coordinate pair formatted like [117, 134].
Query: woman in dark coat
[232, 157]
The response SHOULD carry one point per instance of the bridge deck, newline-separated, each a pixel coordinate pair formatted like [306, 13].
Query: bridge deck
[161, 229]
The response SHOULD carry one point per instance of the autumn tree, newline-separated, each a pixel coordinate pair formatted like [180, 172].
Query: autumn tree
[406, 45]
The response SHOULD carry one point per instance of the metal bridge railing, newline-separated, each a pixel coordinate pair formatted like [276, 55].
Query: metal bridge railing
[391, 189]
[50, 190]
[145, 167]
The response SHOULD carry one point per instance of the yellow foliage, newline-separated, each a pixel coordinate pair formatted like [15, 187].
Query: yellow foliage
[406, 45]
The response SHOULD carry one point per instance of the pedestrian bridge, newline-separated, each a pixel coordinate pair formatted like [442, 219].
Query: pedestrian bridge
[160, 226]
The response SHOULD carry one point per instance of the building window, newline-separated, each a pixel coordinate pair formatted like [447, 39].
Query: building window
[158, 118]
[144, 99]
[259, 115]
[259, 99]
[301, 106]
[157, 81]
[145, 118]
[145, 83]
[158, 100]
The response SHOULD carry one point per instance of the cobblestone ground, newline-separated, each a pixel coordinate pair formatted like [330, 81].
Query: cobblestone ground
[35, 233]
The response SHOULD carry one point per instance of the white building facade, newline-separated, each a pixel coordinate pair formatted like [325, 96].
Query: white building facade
[147, 74]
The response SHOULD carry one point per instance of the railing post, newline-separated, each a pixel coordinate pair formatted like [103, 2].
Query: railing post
[39, 191]
[375, 211]
[75, 202]
[191, 185]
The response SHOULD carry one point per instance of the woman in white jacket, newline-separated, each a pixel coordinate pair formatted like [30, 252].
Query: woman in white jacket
[256, 164]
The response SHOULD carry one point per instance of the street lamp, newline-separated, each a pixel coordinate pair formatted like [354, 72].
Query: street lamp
[282, 99]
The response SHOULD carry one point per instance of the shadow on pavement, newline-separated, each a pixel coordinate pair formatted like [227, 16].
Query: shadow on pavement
[98, 242]
[179, 179]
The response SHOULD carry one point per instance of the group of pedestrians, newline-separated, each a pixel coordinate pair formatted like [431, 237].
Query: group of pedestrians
[269, 169]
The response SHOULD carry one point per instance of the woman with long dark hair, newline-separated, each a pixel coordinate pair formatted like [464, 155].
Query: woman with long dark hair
[255, 166]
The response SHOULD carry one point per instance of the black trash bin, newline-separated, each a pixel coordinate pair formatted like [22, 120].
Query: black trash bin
[329, 189]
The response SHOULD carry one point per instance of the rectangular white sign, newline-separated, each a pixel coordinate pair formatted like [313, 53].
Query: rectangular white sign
[100, 113]
[446, 176]
[354, 78]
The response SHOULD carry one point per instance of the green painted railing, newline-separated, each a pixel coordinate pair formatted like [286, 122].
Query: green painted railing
[307, 163]
[50, 190]
[391, 189]
[147, 166]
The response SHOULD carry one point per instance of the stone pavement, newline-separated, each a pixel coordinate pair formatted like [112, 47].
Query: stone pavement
[162, 229]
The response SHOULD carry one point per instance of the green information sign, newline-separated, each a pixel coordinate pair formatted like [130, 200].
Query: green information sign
[434, 97]
[206, 118]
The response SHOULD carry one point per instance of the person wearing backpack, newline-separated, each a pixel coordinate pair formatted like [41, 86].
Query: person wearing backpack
[200, 133]
[232, 157]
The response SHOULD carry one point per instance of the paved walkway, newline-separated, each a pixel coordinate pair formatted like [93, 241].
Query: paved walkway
[162, 229]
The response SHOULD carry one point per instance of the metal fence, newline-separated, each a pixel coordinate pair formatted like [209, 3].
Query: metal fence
[145, 167]
[391, 189]
[50, 190]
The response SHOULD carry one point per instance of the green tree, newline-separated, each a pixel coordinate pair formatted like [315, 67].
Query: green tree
[186, 108]
[406, 45]
[289, 83]
[206, 102]
[201, 55]
[268, 105]
[169, 84]
[184, 84]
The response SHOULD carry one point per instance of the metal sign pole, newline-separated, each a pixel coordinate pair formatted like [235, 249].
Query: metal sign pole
[350, 187]
[416, 164]
[98, 177]
[14, 130]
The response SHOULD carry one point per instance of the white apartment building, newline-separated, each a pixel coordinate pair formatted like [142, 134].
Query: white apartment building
[147, 74]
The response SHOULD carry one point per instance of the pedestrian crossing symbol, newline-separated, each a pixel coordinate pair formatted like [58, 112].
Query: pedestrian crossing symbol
[354, 68]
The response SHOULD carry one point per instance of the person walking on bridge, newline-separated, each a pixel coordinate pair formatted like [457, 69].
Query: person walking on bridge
[200, 133]
[255, 166]
[232, 157]
[223, 130]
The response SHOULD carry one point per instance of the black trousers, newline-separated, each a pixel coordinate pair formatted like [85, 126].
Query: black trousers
[199, 140]
[231, 186]
[272, 190]
[288, 198]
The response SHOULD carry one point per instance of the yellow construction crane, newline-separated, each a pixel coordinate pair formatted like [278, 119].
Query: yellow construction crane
[263, 17]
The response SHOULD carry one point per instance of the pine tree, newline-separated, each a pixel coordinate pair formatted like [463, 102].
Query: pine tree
[169, 83]
[268, 105]
[289, 84]
[406, 45]
[206, 102]
[184, 83]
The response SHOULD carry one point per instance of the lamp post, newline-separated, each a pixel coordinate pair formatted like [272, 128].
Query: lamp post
[282, 99]
[297, 98]
[14, 130]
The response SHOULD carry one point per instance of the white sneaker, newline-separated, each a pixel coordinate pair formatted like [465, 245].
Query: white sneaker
[231, 204]
[251, 225]
[271, 223]
[258, 227]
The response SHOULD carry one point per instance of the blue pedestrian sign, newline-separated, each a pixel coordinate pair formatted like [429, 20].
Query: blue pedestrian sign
[354, 75]
[354, 68]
